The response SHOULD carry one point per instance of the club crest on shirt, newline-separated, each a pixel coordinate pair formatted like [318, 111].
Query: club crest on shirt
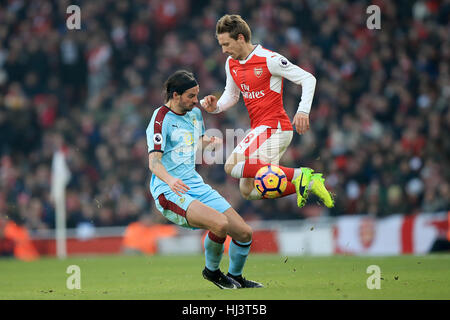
[188, 138]
[258, 71]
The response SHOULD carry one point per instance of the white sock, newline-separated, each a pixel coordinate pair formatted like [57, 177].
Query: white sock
[238, 170]
[297, 173]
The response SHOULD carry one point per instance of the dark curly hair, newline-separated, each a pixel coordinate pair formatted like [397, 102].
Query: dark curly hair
[179, 82]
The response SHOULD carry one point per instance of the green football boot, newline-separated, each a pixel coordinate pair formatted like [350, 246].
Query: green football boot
[318, 188]
[301, 184]
[310, 181]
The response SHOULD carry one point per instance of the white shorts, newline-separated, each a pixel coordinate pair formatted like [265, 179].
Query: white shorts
[265, 143]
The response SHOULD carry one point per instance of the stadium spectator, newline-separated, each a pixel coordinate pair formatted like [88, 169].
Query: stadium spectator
[15, 239]
[378, 119]
[142, 235]
[6, 244]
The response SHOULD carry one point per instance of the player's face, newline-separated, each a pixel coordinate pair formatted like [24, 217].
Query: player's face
[234, 48]
[189, 99]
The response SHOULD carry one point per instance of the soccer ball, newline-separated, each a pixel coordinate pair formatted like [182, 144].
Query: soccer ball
[270, 181]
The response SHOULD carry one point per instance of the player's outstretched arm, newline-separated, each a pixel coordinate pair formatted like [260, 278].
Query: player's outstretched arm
[282, 67]
[228, 98]
[158, 169]
[209, 103]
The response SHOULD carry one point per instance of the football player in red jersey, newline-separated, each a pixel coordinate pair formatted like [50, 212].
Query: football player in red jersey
[258, 74]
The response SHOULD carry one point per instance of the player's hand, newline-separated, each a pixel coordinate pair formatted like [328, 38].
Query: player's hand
[209, 103]
[177, 186]
[301, 122]
[211, 143]
[215, 142]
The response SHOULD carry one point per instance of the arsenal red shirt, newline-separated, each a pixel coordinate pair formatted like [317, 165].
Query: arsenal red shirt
[259, 78]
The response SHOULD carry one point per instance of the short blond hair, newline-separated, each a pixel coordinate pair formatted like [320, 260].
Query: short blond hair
[234, 25]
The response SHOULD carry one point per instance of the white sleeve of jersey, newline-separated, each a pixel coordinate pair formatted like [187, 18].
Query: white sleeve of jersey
[231, 94]
[280, 66]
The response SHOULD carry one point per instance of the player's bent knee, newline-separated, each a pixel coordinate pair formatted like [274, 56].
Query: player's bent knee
[220, 227]
[245, 194]
[231, 162]
[228, 167]
[245, 235]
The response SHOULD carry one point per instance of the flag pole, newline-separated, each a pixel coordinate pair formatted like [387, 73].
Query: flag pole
[60, 179]
[61, 237]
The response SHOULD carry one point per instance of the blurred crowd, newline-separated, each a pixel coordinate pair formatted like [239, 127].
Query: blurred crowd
[379, 120]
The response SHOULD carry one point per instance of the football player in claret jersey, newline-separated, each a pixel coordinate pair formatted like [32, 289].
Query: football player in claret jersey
[173, 134]
[258, 74]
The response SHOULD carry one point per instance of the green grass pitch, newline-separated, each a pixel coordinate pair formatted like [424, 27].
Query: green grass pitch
[179, 278]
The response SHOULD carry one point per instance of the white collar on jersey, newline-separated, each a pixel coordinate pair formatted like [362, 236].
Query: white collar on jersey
[250, 55]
